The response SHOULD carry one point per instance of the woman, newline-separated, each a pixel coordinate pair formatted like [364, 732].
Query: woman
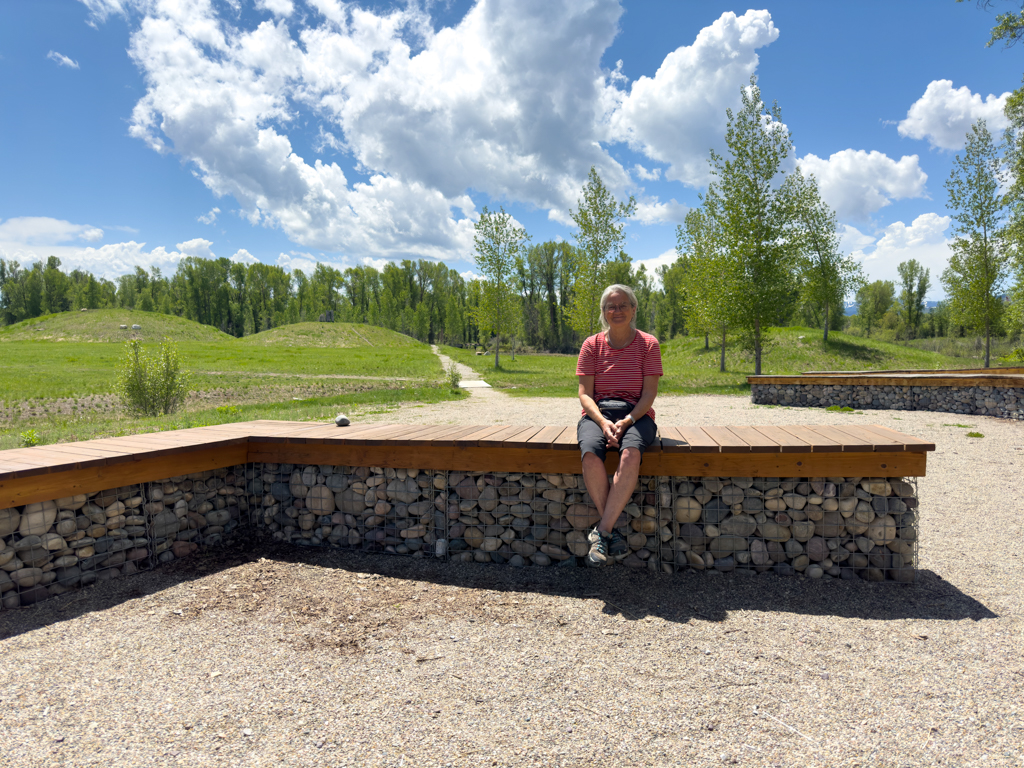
[618, 371]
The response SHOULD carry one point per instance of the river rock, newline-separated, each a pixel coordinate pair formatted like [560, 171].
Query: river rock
[772, 531]
[37, 518]
[686, 509]
[738, 525]
[882, 530]
[831, 525]
[817, 549]
[10, 519]
[582, 516]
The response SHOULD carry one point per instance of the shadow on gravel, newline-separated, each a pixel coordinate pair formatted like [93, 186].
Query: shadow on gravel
[676, 597]
[632, 594]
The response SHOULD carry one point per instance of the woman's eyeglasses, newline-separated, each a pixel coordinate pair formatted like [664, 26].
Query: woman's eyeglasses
[617, 307]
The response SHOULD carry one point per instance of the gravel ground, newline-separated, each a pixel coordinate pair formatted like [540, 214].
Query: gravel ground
[320, 658]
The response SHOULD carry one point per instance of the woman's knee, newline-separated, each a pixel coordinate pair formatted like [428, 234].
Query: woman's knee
[592, 460]
[630, 457]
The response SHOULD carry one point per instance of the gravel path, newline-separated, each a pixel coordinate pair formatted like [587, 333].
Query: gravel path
[309, 657]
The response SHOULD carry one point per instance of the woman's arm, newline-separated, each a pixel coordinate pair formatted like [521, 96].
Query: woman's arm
[647, 395]
[591, 409]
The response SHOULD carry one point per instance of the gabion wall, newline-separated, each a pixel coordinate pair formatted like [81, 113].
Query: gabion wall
[839, 527]
[836, 527]
[51, 547]
[1002, 402]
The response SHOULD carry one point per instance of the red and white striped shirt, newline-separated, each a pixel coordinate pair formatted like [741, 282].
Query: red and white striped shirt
[619, 373]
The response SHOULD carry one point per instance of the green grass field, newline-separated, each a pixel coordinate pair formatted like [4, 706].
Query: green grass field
[690, 369]
[58, 381]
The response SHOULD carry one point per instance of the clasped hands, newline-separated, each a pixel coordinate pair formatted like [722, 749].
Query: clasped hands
[614, 430]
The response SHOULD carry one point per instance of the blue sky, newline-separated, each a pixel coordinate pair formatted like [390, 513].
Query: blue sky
[133, 132]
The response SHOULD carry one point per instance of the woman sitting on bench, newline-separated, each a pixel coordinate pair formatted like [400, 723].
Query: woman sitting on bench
[618, 371]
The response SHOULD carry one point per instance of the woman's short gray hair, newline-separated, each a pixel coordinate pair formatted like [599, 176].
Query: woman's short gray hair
[618, 289]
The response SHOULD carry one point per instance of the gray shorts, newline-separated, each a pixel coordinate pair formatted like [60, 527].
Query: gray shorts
[592, 439]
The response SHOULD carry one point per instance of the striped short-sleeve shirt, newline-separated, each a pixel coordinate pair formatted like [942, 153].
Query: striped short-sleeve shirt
[619, 373]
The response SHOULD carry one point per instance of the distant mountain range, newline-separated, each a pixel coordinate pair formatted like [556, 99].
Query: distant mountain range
[852, 307]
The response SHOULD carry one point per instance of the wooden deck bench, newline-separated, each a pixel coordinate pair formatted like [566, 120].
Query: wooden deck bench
[823, 501]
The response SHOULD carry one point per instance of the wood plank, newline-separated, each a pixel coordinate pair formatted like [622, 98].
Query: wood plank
[450, 440]
[849, 443]
[728, 442]
[425, 435]
[786, 442]
[545, 437]
[912, 443]
[100, 477]
[567, 441]
[698, 440]
[520, 440]
[498, 438]
[819, 443]
[471, 439]
[391, 434]
[672, 442]
[877, 442]
[506, 459]
[758, 441]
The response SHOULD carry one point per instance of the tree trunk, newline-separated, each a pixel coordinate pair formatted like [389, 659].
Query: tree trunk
[496, 338]
[757, 347]
[988, 340]
[721, 366]
[706, 342]
[826, 322]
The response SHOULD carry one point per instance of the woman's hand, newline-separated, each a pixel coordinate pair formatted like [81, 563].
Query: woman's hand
[620, 428]
[611, 432]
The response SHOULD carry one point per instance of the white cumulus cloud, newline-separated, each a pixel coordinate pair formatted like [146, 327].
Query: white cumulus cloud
[210, 217]
[924, 240]
[242, 256]
[944, 114]
[653, 212]
[62, 60]
[858, 183]
[676, 116]
[283, 8]
[43, 231]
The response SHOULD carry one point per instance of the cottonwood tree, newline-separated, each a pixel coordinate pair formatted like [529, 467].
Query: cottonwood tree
[500, 249]
[873, 301]
[599, 220]
[979, 262]
[713, 279]
[754, 214]
[915, 282]
[828, 275]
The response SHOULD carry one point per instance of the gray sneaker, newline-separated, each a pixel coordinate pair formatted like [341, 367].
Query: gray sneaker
[598, 555]
[618, 547]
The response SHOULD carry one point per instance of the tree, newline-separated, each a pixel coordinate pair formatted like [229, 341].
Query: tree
[915, 281]
[828, 275]
[979, 263]
[599, 220]
[873, 301]
[500, 248]
[712, 280]
[754, 214]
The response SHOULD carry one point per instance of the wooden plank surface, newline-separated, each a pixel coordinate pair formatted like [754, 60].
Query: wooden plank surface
[545, 437]
[757, 440]
[698, 440]
[879, 442]
[672, 441]
[521, 440]
[849, 443]
[452, 439]
[910, 443]
[498, 438]
[728, 441]
[819, 443]
[785, 441]
[566, 441]
[472, 439]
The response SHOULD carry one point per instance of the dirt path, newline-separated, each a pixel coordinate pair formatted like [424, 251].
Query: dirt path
[477, 388]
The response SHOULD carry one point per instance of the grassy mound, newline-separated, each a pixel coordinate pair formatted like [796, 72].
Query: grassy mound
[104, 325]
[331, 335]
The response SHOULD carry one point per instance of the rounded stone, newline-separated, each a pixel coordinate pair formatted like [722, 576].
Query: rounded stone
[686, 509]
[10, 519]
[882, 530]
[772, 531]
[37, 518]
[738, 525]
[817, 549]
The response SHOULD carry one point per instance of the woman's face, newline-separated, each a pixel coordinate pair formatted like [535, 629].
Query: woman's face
[618, 311]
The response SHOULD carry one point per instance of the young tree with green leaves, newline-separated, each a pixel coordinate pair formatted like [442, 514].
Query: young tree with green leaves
[828, 275]
[915, 281]
[873, 301]
[979, 262]
[755, 215]
[599, 220]
[500, 250]
[712, 281]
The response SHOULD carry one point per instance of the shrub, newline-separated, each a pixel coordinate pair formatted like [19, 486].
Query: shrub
[30, 438]
[453, 375]
[151, 386]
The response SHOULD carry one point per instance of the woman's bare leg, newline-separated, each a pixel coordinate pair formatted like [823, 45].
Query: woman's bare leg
[623, 485]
